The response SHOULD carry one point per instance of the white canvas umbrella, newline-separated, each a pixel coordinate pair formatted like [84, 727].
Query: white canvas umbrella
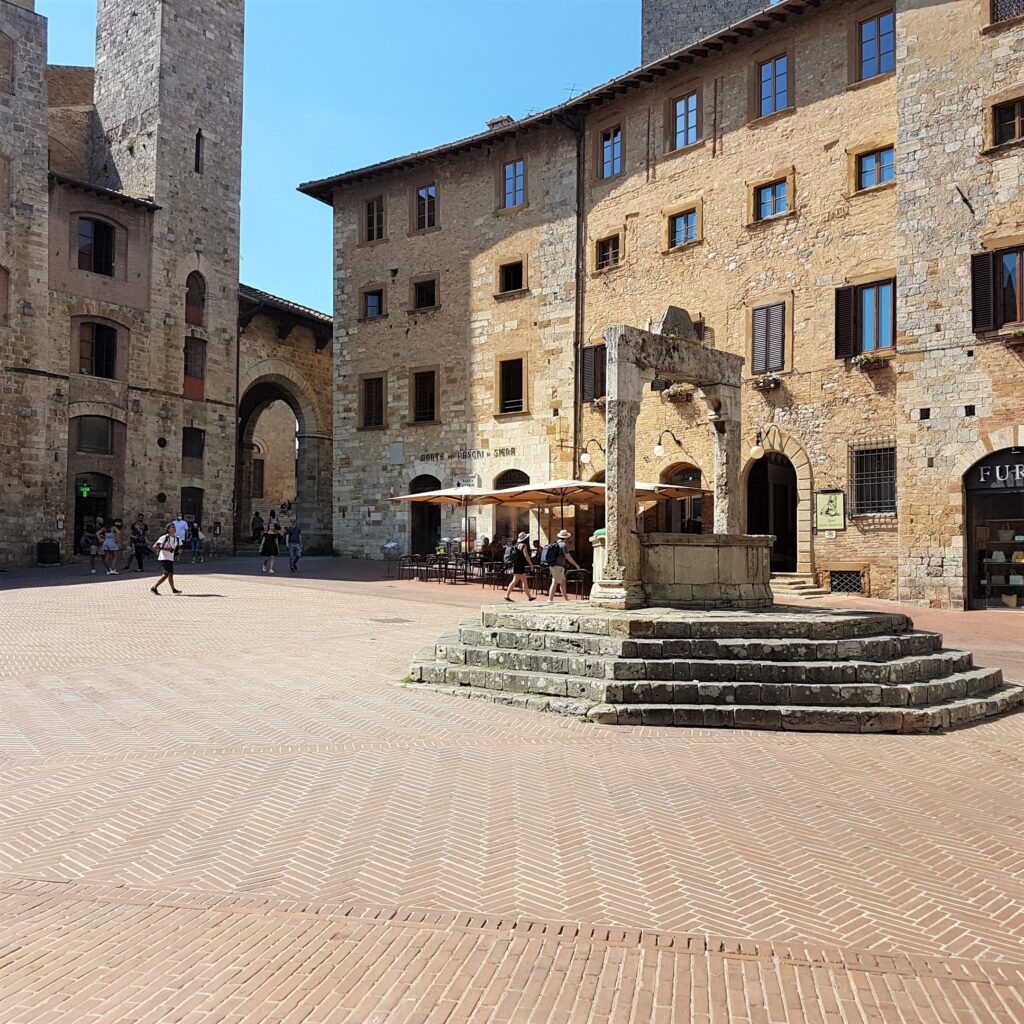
[460, 496]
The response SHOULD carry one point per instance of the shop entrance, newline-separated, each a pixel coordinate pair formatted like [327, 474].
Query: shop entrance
[994, 494]
[771, 507]
[92, 502]
[425, 525]
[684, 515]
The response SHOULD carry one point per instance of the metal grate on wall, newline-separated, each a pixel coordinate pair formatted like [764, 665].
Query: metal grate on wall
[1003, 10]
[873, 477]
[846, 581]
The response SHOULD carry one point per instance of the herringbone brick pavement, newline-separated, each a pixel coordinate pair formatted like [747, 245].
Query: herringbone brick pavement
[203, 801]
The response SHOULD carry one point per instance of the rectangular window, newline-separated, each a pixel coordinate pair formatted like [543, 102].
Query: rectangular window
[195, 358]
[773, 85]
[682, 229]
[97, 345]
[877, 309]
[1008, 122]
[5, 286]
[258, 474]
[200, 152]
[873, 479]
[514, 184]
[1004, 10]
[876, 167]
[686, 123]
[771, 200]
[374, 226]
[593, 372]
[95, 246]
[608, 252]
[373, 402]
[193, 443]
[373, 304]
[1010, 267]
[424, 294]
[426, 207]
[611, 152]
[768, 338]
[510, 276]
[424, 396]
[877, 45]
[511, 385]
[96, 435]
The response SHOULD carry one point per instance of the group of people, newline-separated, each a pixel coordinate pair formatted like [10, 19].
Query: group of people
[521, 556]
[103, 541]
[271, 538]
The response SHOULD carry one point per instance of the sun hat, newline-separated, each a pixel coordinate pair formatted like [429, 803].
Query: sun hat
[564, 534]
[523, 536]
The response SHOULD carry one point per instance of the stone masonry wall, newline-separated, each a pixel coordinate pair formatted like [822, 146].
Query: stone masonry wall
[669, 25]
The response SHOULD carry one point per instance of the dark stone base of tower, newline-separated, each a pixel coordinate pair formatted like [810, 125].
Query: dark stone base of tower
[827, 670]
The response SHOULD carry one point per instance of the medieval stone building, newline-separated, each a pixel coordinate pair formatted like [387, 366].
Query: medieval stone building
[133, 367]
[831, 188]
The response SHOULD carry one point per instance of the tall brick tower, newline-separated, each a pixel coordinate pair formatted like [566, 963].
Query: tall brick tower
[168, 97]
[669, 25]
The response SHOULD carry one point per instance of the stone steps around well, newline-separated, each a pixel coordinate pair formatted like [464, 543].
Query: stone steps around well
[808, 718]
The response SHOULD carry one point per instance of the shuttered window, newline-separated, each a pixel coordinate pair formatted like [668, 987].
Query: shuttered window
[997, 286]
[865, 318]
[768, 353]
[373, 402]
[593, 372]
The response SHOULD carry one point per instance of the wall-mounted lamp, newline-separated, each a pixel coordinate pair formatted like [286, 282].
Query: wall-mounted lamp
[659, 448]
[585, 454]
[757, 450]
[659, 384]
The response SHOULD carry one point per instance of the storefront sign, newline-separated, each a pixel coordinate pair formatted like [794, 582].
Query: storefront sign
[830, 510]
[468, 455]
[1000, 471]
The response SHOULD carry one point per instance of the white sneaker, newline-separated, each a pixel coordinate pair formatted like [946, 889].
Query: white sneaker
[114, 572]
[264, 568]
[271, 571]
[92, 572]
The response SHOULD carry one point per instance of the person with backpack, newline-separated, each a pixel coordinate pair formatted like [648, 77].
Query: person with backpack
[555, 556]
[518, 560]
[165, 548]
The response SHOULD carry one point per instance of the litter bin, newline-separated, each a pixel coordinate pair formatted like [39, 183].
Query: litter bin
[48, 552]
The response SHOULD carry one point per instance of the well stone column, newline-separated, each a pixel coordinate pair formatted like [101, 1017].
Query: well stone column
[724, 415]
[313, 475]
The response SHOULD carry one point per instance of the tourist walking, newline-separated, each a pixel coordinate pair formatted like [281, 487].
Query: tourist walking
[109, 538]
[139, 543]
[166, 547]
[555, 557]
[293, 535]
[269, 548]
[521, 562]
[196, 538]
[181, 532]
[90, 545]
[257, 527]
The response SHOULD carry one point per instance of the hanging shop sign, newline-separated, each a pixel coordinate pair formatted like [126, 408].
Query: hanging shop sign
[830, 510]
[1000, 471]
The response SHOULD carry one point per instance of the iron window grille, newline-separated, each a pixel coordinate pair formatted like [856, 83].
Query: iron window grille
[512, 385]
[1004, 10]
[846, 581]
[873, 477]
[373, 402]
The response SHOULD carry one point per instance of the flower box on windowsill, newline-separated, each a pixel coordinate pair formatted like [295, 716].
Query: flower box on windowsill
[767, 382]
[599, 403]
[678, 393]
[869, 362]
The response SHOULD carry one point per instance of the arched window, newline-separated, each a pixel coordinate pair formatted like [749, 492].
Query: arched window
[510, 522]
[195, 299]
[511, 478]
[6, 63]
[5, 296]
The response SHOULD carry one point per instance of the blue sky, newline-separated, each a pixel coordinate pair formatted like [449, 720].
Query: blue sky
[336, 84]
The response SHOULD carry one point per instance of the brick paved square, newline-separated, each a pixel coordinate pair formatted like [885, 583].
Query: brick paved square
[221, 807]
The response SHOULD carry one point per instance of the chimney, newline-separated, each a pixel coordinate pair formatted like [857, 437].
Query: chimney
[502, 121]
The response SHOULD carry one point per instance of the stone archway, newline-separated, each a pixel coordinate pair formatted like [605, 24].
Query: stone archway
[312, 507]
[787, 446]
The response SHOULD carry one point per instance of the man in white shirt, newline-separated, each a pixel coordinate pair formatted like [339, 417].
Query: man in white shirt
[181, 532]
[166, 548]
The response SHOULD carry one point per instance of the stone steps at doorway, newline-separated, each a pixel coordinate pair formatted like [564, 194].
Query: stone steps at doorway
[781, 668]
[795, 584]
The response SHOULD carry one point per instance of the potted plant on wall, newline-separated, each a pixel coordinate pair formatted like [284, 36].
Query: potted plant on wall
[678, 393]
[599, 403]
[767, 382]
[869, 361]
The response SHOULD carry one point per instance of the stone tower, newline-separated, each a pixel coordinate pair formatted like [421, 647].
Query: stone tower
[168, 98]
[669, 25]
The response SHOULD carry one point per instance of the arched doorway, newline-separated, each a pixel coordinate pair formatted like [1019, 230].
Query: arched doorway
[92, 502]
[510, 522]
[425, 520]
[683, 515]
[771, 507]
[301, 487]
[994, 496]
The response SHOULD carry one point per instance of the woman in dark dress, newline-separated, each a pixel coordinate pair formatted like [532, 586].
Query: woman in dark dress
[521, 561]
[269, 547]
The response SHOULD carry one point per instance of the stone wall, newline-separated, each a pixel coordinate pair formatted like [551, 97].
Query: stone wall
[669, 25]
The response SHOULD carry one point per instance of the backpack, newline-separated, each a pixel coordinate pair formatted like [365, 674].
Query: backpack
[551, 555]
[508, 556]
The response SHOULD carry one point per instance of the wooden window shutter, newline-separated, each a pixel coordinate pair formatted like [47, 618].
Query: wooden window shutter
[587, 363]
[846, 323]
[759, 346]
[984, 314]
[776, 336]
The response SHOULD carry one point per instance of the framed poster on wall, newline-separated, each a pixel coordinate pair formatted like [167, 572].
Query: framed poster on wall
[830, 510]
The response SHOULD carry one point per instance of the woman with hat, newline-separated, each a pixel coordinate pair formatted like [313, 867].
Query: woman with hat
[521, 561]
[556, 561]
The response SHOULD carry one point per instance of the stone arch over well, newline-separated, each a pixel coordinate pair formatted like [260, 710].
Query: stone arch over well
[786, 445]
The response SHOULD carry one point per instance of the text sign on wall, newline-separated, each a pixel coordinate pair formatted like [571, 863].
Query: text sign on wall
[468, 455]
[1000, 471]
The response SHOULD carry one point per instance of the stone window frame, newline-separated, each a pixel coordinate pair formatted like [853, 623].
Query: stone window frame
[595, 251]
[669, 118]
[770, 51]
[609, 123]
[361, 424]
[367, 289]
[499, 360]
[880, 275]
[853, 155]
[364, 202]
[413, 371]
[414, 208]
[122, 342]
[1015, 94]
[423, 279]
[120, 244]
[499, 186]
[694, 204]
[788, 298]
[7, 48]
[506, 261]
[787, 174]
[854, 81]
